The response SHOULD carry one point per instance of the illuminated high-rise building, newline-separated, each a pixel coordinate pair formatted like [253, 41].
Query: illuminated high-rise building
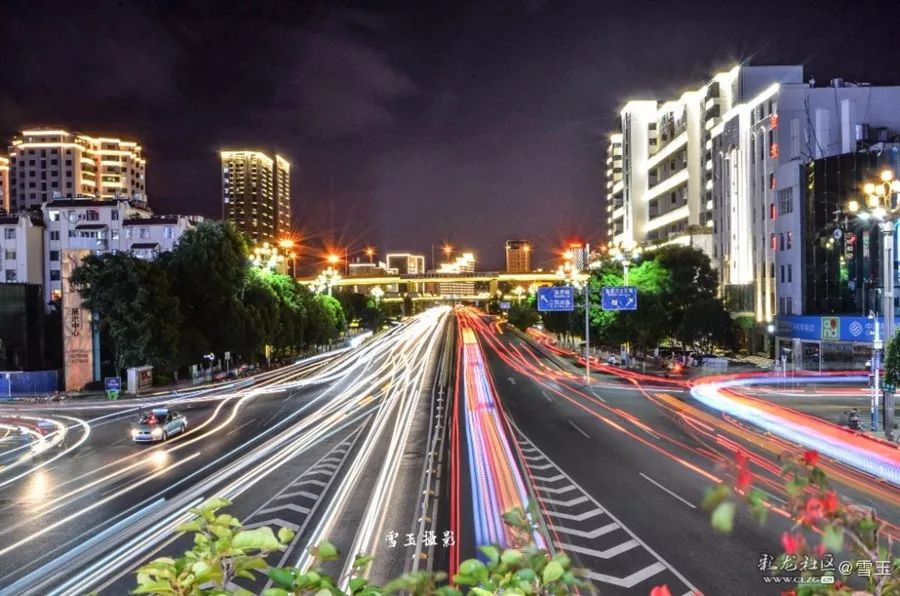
[45, 164]
[4, 183]
[256, 193]
[518, 256]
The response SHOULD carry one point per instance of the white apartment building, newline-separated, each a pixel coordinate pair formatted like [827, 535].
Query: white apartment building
[813, 123]
[102, 226]
[22, 249]
[45, 164]
[465, 263]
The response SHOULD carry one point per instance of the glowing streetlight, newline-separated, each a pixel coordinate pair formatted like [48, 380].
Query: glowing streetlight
[447, 249]
[518, 291]
[333, 259]
[882, 203]
[327, 279]
[266, 256]
[370, 252]
[377, 294]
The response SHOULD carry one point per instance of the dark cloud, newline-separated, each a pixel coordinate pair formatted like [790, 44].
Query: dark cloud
[408, 123]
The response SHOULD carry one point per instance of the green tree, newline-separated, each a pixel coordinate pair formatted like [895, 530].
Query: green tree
[138, 312]
[892, 362]
[210, 268]
[706, 324]
[522, 316]
[325, 320]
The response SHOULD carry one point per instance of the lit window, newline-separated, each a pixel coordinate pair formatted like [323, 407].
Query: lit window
[771, 210]
[790, 237]
[773, 242]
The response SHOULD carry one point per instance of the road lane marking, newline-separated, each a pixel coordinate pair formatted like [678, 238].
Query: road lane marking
[299, 493]
[575, 501]
[578, 516]
[550, 478]
[557, 491]
[291, 506]
[578, 428]
[682, 499]
[275, 521]
[594, 393]
[631, 580]
[237, 428]
[596, 532]
[544, 393]
[607, 553]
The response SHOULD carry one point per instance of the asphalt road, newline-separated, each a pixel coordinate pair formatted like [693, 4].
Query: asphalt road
[620, 472]
[306, 447]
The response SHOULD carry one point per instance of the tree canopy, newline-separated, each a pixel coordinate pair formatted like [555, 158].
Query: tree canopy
[203, 297]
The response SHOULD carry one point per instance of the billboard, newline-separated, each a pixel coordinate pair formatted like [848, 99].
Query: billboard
[78, 348]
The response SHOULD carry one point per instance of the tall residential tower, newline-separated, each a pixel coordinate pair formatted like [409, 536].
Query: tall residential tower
[256, 193]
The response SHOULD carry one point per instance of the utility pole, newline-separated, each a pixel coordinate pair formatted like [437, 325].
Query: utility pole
[876, 370]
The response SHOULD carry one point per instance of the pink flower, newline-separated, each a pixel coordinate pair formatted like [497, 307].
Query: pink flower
[660, 591]
[830, 502]
[743, 480]
[813, 511]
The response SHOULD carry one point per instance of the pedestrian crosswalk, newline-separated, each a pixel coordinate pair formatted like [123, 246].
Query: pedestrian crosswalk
[614, 559]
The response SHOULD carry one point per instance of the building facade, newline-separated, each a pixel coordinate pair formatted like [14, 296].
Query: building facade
[256, 194]
[465, 263]
[405, 263]
[22, 249]
[518, 256]
[720, 168]
[4, 184]
[45, 164]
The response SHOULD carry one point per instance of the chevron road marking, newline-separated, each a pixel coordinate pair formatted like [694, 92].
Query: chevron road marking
[299, 493]
[631, 580]
[577, 517]
[608, 553]
[589, 534]
[575, 501]
[291, 506]
[557, 491]
[276, 521]
[550, 479]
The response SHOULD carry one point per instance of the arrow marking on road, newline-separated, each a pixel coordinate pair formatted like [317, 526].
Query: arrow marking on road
[654, 482]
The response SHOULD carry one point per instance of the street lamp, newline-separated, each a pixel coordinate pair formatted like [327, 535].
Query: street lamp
[625, 253]
[518, 291]
[881, 204]
[447, 249]
[287, 245]
[377, 293]
[327, 279]
[570, 273]
[266, 256]
[370, 252]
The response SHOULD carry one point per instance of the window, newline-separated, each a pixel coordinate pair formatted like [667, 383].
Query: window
[9, 255]
[771, 181]
[11, 275]
[785, 201]
[115, 215]
[782, 273]
[790, 273]
[54, 235]
[114, 234]
[771, 210]
[128, 233]
[772, 270]
[168, 232]
[795, 138]
[772, 242]
[54, 255]
[780, 241]
[790, 238]
[9, 233]
[91, 215]
[144, 233]
[54, 275]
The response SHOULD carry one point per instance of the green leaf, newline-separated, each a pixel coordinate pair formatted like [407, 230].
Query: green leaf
[471, 567]
[275, 592]
[833, 538]
[491, 552]
[357, 583]
[714, 495]
[261, 538]
[285, 535]
[282, 577]
[191, 526]
[325, 551]
[552, 572]
[154, 588]
[362, 560]
[723, 517]
[526, 575]
[481, 591]
[511, 556]
[463, 580]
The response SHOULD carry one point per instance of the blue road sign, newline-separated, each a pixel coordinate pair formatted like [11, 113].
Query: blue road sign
[556, 298]
[113, 383]
[505, 305]
[620, 298]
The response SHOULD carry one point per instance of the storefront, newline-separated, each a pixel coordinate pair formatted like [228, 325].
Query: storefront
[825, 342]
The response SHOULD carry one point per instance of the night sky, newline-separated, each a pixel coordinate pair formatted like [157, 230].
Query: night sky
[407, 124]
